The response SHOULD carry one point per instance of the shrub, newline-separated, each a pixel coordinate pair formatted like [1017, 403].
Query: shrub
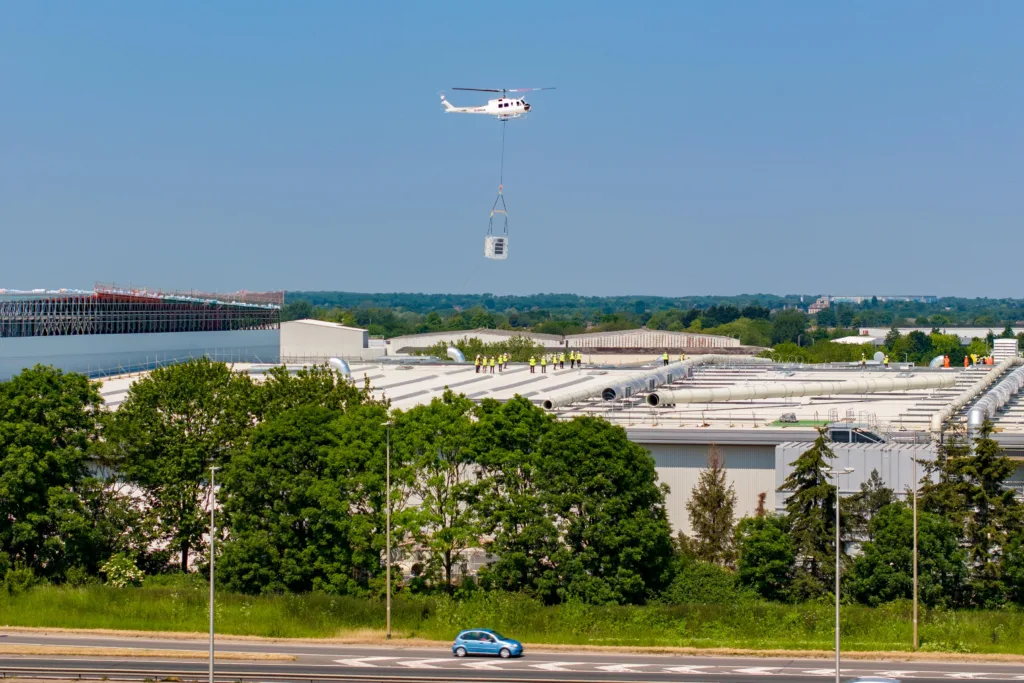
[704, 583]
[121, 571]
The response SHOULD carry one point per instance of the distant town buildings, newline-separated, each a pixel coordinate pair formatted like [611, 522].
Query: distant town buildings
[823, 302]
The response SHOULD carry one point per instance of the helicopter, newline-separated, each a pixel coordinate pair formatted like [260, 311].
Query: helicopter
[503, 108]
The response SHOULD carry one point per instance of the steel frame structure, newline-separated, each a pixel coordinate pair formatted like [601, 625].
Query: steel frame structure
[104, 312]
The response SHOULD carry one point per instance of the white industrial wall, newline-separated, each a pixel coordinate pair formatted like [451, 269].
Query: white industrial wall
[111, 353]
[648, 339]
[317, 341]
[894, 463]
[750, 469]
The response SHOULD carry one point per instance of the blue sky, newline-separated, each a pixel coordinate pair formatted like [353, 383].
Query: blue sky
[691, 147]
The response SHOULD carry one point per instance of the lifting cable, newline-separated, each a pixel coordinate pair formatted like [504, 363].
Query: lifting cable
[500, 198]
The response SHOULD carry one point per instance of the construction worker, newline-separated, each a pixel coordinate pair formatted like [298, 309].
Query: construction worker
[544, 365]
[579, 359]
[501, 361]
[974, 359]
[533, 365]
[682, 357]
[967, 361]
[863, 360]
[945, 361]
[561, 361]
[492, 364]
[664, 358]
[572, 359]
[886, 361]
[477, 363]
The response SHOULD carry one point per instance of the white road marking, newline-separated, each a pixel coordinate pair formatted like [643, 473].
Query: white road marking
[555, 666]
[482, 665]
[685, 669]
[965, 674]
[895, 674]
[757, 670]
[422, 663]
[622, 668]
[820, 672]
[362, 661]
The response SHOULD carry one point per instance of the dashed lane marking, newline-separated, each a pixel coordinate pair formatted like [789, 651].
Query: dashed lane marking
[362, 661]
[622, 668]
[686, 669]
[422, 663]
[556, 666]
[482, 665]
[757, 670]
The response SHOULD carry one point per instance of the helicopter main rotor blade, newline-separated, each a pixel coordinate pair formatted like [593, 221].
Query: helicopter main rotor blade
[479, 89]
[527, 89]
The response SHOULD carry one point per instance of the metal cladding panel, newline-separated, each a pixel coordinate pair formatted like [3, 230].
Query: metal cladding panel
[894, 463]
[311, 341]
[105, 354]
[750, 469]
[649, 339]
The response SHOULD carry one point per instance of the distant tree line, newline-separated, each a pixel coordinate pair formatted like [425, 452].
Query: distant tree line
[564, 509]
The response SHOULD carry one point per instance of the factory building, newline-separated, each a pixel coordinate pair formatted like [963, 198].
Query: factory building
[317, 341]
[113, 329]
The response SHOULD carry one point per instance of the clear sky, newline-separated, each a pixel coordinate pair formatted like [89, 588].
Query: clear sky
[690, 148]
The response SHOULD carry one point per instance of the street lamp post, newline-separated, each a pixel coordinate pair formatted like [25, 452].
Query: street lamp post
[915, 547]
[213, 542]
[387, 533]
[836, 473]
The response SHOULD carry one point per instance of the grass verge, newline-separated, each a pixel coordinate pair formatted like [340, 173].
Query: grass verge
[725, 628]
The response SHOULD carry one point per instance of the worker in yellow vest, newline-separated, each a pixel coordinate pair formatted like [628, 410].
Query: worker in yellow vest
[664, 358]
[682, 357]
[477, 363]
[492, 364]
[561, 361]
[886, 361]
[533, 365]
[579, 359]
[544, 365]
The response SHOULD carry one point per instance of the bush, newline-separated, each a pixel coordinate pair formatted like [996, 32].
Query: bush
[121, 572]
[19, 579]
[76, 577]
[704, 583]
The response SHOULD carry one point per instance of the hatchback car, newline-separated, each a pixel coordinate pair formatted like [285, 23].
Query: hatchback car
[482, 641]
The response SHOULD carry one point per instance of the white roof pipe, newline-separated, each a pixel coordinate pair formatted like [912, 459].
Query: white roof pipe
[456, 355]
[340, 365]
[641, 380]
[791, 390]
[995, 399]
[970, 393]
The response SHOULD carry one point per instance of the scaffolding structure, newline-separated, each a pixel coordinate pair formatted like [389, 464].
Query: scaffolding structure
[117, 310]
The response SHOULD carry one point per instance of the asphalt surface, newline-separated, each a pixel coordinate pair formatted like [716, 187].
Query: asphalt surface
[437, 663]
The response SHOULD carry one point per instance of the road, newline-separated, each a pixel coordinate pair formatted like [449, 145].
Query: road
[437, 664]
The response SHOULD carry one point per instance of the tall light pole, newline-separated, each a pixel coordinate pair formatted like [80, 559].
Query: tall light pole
[213, 541]
[915, 544]
[835, 473]
[387, 533]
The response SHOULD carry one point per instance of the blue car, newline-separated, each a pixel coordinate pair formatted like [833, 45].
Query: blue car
[483, 641]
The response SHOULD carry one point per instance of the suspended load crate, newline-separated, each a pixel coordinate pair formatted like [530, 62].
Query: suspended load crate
[496, 243]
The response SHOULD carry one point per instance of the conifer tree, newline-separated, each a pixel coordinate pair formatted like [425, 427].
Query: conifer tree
[712, 507]
[810, 510]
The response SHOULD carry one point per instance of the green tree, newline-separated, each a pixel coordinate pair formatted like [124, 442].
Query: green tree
[615, 543]
[865, 504]
[436, 439]
[884, 570]
[48, 424]
[789, 325]
[765, 555]
[712, 507]
[513, 511]
[810, 510]
[287, 511]
[171, 427]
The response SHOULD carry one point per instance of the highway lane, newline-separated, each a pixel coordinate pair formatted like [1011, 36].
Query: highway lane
[436, 663]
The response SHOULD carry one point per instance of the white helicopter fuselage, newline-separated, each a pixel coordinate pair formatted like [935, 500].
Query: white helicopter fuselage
[502, 108]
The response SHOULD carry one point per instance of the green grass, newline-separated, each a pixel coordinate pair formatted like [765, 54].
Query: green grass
[751, 625]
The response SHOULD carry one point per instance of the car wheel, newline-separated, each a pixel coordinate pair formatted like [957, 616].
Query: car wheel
[505, 653]
[460, 652]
